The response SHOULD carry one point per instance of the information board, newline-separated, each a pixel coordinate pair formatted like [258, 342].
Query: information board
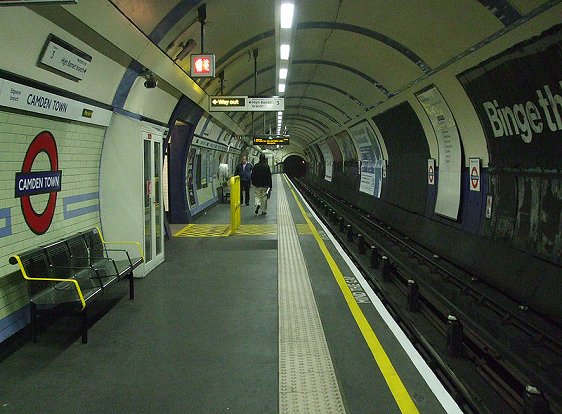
[448, 140]
[271, 140]
[328, 160]
[371, 159]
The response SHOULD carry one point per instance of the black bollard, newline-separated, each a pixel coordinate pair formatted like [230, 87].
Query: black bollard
[349, 233]
[327, 210]
[534, 401]
[374, 257]
[454, 336]
[342, 224]
[386, 269]
[361, 244]
[413, 296]
[334, 217]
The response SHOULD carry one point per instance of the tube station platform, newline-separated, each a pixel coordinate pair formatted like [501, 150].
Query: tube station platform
[273, 319]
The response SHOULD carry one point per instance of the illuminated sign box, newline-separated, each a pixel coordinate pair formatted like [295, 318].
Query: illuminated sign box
[271, 140]
[202, 66]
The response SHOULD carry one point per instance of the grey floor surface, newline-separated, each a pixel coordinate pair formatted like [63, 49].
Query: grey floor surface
[201, 336]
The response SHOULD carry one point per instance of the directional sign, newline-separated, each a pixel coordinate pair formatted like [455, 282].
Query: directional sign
[246, 104]
[227, 103]
[266, 104]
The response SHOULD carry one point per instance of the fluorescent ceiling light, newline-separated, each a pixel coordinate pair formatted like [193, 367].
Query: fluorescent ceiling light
[287, 15]
[283, 73]
[284, 52]
[280, 113]
[281, 87]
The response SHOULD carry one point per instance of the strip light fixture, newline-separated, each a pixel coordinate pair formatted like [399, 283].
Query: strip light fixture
[284, 12]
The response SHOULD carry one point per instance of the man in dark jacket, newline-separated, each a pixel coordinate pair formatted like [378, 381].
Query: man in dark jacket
[244, 170]
[261, 179]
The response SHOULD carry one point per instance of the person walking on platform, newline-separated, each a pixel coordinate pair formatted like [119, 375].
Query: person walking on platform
[244, 170]
[261, 179]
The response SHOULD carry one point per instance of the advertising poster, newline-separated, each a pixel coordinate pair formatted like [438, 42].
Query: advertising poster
[347, 148]
[449, 144]
[336, 153]
[518, 98]
[204, 171]
[328, 160]
[370, 157]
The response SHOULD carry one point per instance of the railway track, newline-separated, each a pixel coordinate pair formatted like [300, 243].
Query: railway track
[465, 329]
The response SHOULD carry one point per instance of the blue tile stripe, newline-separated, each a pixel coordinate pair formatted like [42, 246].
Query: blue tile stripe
[6, 215]
[14, 323]
[68, 201]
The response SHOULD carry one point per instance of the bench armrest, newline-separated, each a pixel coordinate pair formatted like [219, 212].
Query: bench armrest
[120, 250]
[122, 242]
[17, 259]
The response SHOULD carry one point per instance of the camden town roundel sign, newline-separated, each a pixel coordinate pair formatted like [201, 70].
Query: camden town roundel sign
[29, 183]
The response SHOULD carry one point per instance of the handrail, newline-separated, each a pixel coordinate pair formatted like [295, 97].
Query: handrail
[234, 204]
[121, 242]
[26, 276]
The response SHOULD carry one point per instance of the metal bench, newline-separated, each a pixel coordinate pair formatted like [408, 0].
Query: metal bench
[73, 272]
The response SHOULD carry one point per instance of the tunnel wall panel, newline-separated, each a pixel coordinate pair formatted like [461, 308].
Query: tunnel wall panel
[406, 182]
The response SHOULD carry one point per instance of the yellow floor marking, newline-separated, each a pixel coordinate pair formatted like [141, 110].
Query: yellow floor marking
[303, 229]
[222, 230]
[203, 230]
[397, 388]
[256, 230]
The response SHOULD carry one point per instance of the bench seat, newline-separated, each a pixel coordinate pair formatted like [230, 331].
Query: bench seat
[75, 270]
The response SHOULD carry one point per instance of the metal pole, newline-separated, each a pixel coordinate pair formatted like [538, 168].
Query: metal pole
[255, 54]
[202, 15]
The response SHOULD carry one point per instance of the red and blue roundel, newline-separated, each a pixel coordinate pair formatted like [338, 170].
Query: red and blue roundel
[30, 183]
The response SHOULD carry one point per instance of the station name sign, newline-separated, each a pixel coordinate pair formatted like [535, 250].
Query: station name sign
[42, 182]
[246, 104]
[23, 97]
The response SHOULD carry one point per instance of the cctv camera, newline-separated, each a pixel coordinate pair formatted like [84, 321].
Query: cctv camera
[150, 83]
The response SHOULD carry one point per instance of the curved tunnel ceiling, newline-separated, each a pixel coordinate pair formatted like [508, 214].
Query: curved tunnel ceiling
[347, 56]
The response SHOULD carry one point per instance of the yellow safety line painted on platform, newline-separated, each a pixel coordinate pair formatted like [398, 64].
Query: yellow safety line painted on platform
[397, 388]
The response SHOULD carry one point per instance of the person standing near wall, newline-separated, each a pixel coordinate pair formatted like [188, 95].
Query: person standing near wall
[261, 179]
[244, 170]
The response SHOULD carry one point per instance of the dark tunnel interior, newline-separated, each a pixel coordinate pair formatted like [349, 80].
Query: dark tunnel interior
[294, 166]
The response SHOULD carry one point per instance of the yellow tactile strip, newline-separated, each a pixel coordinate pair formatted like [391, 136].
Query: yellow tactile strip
[222, 230]
[307, 380]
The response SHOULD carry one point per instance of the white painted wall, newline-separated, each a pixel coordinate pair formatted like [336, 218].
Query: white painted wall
[122, 182]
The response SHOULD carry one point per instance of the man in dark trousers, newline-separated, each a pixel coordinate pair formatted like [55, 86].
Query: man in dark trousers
[261, 179]
[244, 170]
